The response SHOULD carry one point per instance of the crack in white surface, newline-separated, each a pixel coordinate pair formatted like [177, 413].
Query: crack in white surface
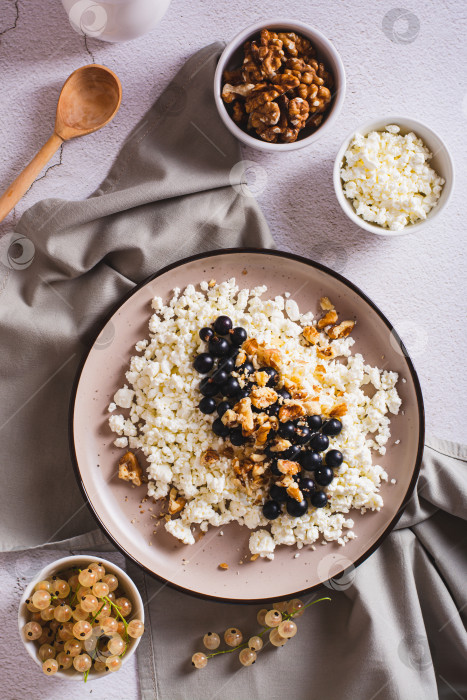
[15, 21]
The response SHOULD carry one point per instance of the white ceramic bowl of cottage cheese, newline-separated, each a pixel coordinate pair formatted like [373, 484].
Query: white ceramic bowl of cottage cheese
[390, 218]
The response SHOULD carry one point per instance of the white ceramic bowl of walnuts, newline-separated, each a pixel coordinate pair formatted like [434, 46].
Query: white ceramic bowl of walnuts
[311, 96]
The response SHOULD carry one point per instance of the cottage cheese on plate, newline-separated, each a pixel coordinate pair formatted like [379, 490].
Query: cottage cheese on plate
[388, 178]
[162, 418]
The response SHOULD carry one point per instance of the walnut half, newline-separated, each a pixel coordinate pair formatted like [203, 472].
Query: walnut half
[129, 469]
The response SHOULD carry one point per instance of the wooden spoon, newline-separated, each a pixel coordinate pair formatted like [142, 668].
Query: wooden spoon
[89, 100]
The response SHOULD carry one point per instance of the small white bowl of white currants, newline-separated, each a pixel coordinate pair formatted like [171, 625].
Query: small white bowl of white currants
[81, 618]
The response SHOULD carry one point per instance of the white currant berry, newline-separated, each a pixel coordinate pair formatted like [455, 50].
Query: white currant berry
[275, 638]
[247, 657]
[32, 631]
[296, 607]
[43, 586]
[64, 660]
[124, 606]
[87, 577]
[280, 605]
[255, 643]
[109, 625]
[100, 666]
[63, 612]
[41, 599]
[233, 637]
[50, 667]
[273, 618]
[287, 629]
[261, 617]
[82, 630]
[100, 589]
[73, 582]
[47, 613]
[98, 567]
[82, 663]
[113, 663]
[135, 629]
[79, 614]
[111, 581]
[60, 588]
[89, 603]
[199, 660]
[65, 631]
[46, 651]
[116, 645]
[104, 611]
[46, 637]
[73, 647]
[211, 640]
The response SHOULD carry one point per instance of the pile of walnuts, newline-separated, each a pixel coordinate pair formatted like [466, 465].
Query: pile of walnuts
[280, 88]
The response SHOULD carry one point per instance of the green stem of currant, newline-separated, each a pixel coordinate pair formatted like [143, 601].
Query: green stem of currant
[122, 618]
[85, 677]
[97, 613]
[260, 634]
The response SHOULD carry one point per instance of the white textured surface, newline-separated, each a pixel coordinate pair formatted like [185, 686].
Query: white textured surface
[418, 281]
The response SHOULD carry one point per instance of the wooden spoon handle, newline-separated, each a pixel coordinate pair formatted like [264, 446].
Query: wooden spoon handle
[20, 186]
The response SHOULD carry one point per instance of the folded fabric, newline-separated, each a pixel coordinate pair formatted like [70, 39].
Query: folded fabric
[394, 629]
[172, 192]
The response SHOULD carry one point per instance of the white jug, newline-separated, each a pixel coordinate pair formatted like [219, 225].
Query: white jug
[114, 20]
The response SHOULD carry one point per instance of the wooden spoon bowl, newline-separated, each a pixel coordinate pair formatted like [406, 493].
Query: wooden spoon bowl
[89, 99]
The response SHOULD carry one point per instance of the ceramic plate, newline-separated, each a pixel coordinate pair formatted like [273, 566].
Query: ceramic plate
[195, 569]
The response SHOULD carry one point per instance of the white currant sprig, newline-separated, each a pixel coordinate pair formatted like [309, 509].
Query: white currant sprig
[199, 659]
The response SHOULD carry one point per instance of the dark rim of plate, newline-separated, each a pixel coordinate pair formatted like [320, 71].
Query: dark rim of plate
[354, 288]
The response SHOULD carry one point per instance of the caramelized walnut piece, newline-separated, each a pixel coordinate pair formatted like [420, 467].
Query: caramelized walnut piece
[176, 503]
[261, 378]
[338, 410]
[262, 397]
[298, 112]
[325, 353]
[291, 409]
[129, 469]
[326, 304]
[294, 492]
[288, 81]
[280, 445]
[265, 115]
[270, 357]
[209, 457]
[311, 335]
[329, 319]
[232, 92]
[245, 415]
[342, 330]
[238, 113]
[286, 466]
[262, 434]
[251, 346]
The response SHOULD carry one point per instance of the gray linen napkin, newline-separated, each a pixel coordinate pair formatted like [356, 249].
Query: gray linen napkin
[392, 631]
[168, 195]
